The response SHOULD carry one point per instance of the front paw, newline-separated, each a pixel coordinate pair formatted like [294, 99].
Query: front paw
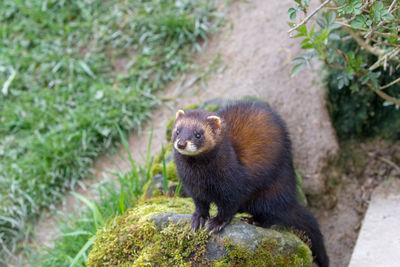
[215, 225]
[198, 221]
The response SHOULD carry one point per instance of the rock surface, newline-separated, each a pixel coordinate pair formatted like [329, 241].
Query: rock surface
[152, 233]
[378, 243]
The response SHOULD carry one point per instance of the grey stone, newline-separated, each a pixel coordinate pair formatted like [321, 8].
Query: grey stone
[239, 233]
[378, 243]
[157, 183]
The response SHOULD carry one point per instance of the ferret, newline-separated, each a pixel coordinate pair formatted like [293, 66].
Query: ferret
[240, 159]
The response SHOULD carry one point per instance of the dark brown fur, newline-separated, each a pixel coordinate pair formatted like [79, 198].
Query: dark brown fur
[243, 163]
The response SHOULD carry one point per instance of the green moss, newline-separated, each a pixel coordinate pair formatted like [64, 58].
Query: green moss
[157, 168]
[303, 252]
[158, 158]
[300, 196]
[254, 98]
[194, 106]
[267, 253]
[212, 108]
[134, 239]
[172, 174]
[168, 130]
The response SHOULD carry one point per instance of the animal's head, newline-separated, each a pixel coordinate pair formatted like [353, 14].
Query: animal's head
[196, 131]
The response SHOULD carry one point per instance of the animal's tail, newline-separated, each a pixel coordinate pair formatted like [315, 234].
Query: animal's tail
[302, 219]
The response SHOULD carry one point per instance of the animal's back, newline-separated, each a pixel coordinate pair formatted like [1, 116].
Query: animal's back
[257, 134]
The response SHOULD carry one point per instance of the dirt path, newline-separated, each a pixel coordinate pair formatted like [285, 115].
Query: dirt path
[256, 50]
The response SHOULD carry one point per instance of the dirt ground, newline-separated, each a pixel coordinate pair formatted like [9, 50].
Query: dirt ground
[361, 167]
[256, 52]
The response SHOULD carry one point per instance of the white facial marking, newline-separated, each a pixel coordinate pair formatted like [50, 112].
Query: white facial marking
[190, 149]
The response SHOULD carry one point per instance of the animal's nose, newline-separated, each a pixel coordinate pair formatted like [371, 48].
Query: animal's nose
[181, 144]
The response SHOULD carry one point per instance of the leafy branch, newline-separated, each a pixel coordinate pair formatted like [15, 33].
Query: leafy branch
[373, 24]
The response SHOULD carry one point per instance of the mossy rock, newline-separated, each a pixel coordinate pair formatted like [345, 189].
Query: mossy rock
[157, 164]
[157, 168]
[157, 232]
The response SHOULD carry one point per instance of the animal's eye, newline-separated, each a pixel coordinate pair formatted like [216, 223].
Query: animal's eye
[177, 132]
[197, 135]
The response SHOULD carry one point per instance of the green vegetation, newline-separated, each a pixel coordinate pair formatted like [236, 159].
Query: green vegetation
[70, 72]
[146, 242]
[266, 254]
[359, 43]
[137, 237]
[362, 113]
[78, 231]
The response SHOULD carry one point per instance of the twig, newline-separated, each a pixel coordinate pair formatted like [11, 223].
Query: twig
[364, 45]
[390, 84]
[391, 163]
[333, 65]
[384, 58]
[380, 23]
[304, 21]
[385, 34]
[387, 97]
[384, 95]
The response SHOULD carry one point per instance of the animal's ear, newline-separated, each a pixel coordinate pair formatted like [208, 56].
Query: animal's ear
[215, 123]
[179, 113]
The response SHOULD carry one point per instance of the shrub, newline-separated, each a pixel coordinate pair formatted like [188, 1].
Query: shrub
[358, 42]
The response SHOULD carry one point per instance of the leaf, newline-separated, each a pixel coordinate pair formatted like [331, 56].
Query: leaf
[178, 189]
[378, 6]
[357, 7]
[331, 17]
[321, 22]
[164, 169]
[387, 16]
[86, 68]
[76, 233]
[302, 30]
[122, 206]
[297, 60]
[307, 46]
[148, 155]
[335, 26]
[364, 79]
[296, 69]
[334, 36]
[127, 150]
[358, 22]
[292, 13]
[4, 90]
[304, 41]
[311, 34]
[82, 251]
[97, 217]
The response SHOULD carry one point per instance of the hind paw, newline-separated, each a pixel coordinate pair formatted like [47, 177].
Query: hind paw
[250, 220]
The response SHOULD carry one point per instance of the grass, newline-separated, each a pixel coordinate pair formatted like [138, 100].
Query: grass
[69, 72]
[78, 231]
